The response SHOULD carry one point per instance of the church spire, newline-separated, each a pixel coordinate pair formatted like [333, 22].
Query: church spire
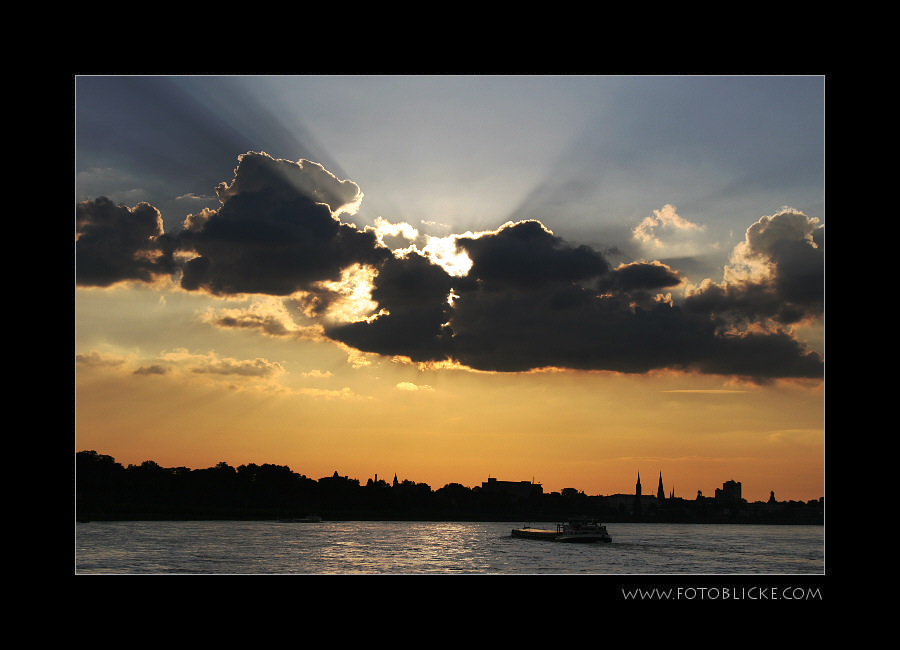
[637, 495]
[660, 493]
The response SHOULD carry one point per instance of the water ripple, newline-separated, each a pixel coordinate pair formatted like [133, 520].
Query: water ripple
[416, 548]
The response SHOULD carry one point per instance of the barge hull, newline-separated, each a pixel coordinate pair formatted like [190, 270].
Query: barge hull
[556, 536]
[535, 533]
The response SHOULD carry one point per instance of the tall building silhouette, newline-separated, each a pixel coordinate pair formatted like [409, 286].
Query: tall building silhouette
[637, 495]
[660, 493]
[730, 492]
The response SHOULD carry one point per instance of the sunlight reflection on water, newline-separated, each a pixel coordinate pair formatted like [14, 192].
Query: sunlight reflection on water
[227, 547]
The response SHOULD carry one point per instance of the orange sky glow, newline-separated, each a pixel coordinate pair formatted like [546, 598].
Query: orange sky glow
[590, 430]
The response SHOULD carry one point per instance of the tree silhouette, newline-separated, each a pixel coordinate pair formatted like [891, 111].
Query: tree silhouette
[104, 489]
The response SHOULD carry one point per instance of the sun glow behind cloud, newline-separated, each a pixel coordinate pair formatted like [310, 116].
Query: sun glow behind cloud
[443, 251]
[353, 301]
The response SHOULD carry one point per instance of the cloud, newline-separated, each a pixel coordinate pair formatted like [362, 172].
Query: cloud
[412, 294]
[777, 273]
[408, 386]
[666, 219]
[526, 255]
[517, 298]
[181, 361]
[317, 374]
[116, 243]
[255, 375]
[268, 316]
[152, 370]
[241, 367]
[95, 359]
[282, 181]
[277, 232]
[639, 277]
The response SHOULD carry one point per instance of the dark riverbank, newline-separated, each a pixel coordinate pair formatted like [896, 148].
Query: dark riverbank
[107, 491]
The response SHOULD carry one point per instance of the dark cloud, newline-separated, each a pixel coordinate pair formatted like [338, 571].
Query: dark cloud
[573, 327]
[564, 325]
[115, 243]
[530, 299]
[639, 276]
[282, 181]
[759, 355]
[778, 274]
[528, 256]
[276, 232]
[413, 293]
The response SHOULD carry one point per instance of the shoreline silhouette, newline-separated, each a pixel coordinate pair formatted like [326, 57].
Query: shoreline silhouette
[105, 490]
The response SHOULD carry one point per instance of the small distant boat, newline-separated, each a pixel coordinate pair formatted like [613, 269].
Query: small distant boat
[575, 530]
[310, 519]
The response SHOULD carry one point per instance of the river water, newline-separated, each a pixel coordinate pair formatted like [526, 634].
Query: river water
[418, 548]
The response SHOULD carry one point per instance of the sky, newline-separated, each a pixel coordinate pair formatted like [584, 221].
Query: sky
[570, 280]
